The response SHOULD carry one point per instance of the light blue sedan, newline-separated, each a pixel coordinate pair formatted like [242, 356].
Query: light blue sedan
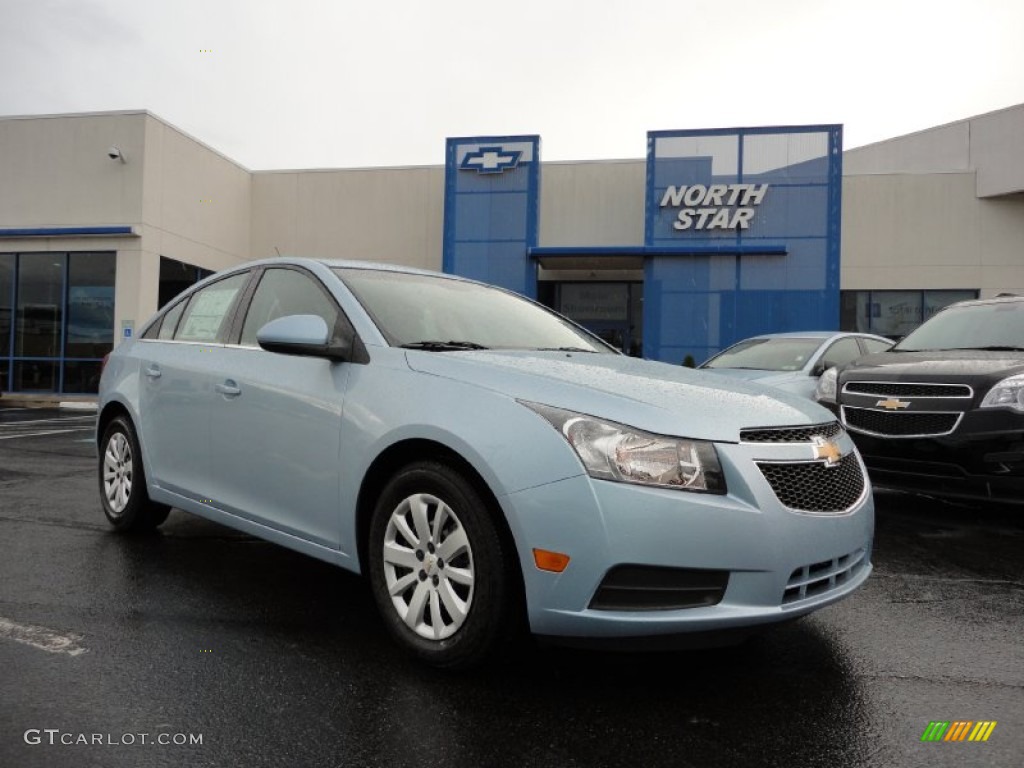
[484, 461]
[794, 361]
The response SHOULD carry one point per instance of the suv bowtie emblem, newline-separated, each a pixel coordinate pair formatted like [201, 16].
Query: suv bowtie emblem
[892, 404]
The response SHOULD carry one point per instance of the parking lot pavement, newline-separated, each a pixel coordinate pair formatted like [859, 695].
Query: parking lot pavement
[271, 658]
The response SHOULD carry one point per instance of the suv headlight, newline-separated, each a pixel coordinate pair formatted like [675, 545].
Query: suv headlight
[825, 392]
[611, 451]
[1008, 393]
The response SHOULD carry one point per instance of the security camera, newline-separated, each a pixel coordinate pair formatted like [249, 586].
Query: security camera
[116, 154]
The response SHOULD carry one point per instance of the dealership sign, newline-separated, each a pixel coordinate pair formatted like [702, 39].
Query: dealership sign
[714, 206]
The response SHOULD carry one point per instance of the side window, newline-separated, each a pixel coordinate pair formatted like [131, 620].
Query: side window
[170, 321]
[842, 352]
[286, 292]
[874, 345]
[208, 308]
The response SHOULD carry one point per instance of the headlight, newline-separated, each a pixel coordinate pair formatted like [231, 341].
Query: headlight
[611, 451]
[1008, 393]
[825, 392]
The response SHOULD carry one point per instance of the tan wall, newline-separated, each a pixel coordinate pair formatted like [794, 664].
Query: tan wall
[196, 204]
[597, 203]
[930, 231]
[54, 171]
[393, 215]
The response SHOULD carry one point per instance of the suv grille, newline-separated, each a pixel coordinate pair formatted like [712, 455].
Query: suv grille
[894, 389]
[789, 434]
[817, 578]
[810, 486]
[913, 424]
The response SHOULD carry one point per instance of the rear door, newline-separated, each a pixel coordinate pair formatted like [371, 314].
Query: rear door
[176, 388]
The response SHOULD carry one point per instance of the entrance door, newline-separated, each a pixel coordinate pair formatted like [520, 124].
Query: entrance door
[611, 310]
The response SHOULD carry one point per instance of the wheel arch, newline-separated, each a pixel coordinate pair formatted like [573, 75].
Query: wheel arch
[411, 450]
[111, 411]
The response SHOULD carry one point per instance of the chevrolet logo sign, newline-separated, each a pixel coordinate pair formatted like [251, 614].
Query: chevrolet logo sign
[490, 160]
[892, 404]
[827, 450]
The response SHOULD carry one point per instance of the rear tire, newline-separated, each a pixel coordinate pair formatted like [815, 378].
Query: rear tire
[122, 480]
[440, 573]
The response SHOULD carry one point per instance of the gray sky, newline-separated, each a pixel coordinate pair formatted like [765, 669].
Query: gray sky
[334, 83]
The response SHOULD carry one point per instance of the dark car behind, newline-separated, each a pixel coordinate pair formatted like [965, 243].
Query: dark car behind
[942, 412]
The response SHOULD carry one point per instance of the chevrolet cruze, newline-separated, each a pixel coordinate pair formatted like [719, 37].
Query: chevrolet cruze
[480, 459]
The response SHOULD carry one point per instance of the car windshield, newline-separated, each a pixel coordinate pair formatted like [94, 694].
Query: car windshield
[766, 354]
[442, 314]
[999, 325]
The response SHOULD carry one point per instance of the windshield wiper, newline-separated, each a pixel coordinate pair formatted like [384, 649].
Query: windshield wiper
[442, 346]
[565, 349]
[994, 348]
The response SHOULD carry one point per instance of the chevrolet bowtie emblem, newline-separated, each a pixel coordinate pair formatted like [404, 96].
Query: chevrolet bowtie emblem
[892, 404]
[827, 450]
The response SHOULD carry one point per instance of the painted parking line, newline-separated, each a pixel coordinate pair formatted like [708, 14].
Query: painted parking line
[44, 421]
[44, 639]
[41, 434]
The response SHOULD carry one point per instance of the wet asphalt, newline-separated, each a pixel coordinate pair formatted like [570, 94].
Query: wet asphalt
[272, 658]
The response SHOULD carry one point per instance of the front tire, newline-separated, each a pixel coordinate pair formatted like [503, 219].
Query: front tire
[440, 573]
[122, 479]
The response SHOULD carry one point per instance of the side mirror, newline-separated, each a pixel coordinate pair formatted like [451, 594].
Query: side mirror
[306, 335]
[819, 368]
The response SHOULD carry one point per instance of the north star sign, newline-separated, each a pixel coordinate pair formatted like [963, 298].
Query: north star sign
[716, 206]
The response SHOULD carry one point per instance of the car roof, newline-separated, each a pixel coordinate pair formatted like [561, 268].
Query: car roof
[1007, 299]
[817, 335]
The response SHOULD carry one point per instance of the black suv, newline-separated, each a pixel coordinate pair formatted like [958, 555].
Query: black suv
[942, 412]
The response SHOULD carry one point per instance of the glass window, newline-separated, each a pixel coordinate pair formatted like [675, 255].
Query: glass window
[6, 297]
[284, 292]
[895, 313]
[90, 331]
[35, 375]
[779, 354]
[936, 300]
[997, 325]
[40, 305]
[842, 352]
[170, 321]
[208, 308]
[82, 377]
[413, 309]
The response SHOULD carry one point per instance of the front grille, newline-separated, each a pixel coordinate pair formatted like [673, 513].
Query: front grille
[789, 434]
[895, 389]
[651, 588]
[811, 486]
[818, 578]
[913, 424]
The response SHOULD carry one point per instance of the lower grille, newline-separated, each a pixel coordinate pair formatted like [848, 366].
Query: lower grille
[818, 578]
[913, 424]
[650, 588]
[811, 486]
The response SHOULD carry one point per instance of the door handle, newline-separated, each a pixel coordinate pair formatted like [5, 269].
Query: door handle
[228, 389]
[153, 372]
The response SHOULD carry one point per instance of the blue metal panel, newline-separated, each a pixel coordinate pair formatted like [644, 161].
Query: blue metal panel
[719, 195]
[66, 231]
[491, 208]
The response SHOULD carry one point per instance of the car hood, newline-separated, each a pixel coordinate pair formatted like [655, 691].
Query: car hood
[951, 365]
[652, 396]
[774, 378]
